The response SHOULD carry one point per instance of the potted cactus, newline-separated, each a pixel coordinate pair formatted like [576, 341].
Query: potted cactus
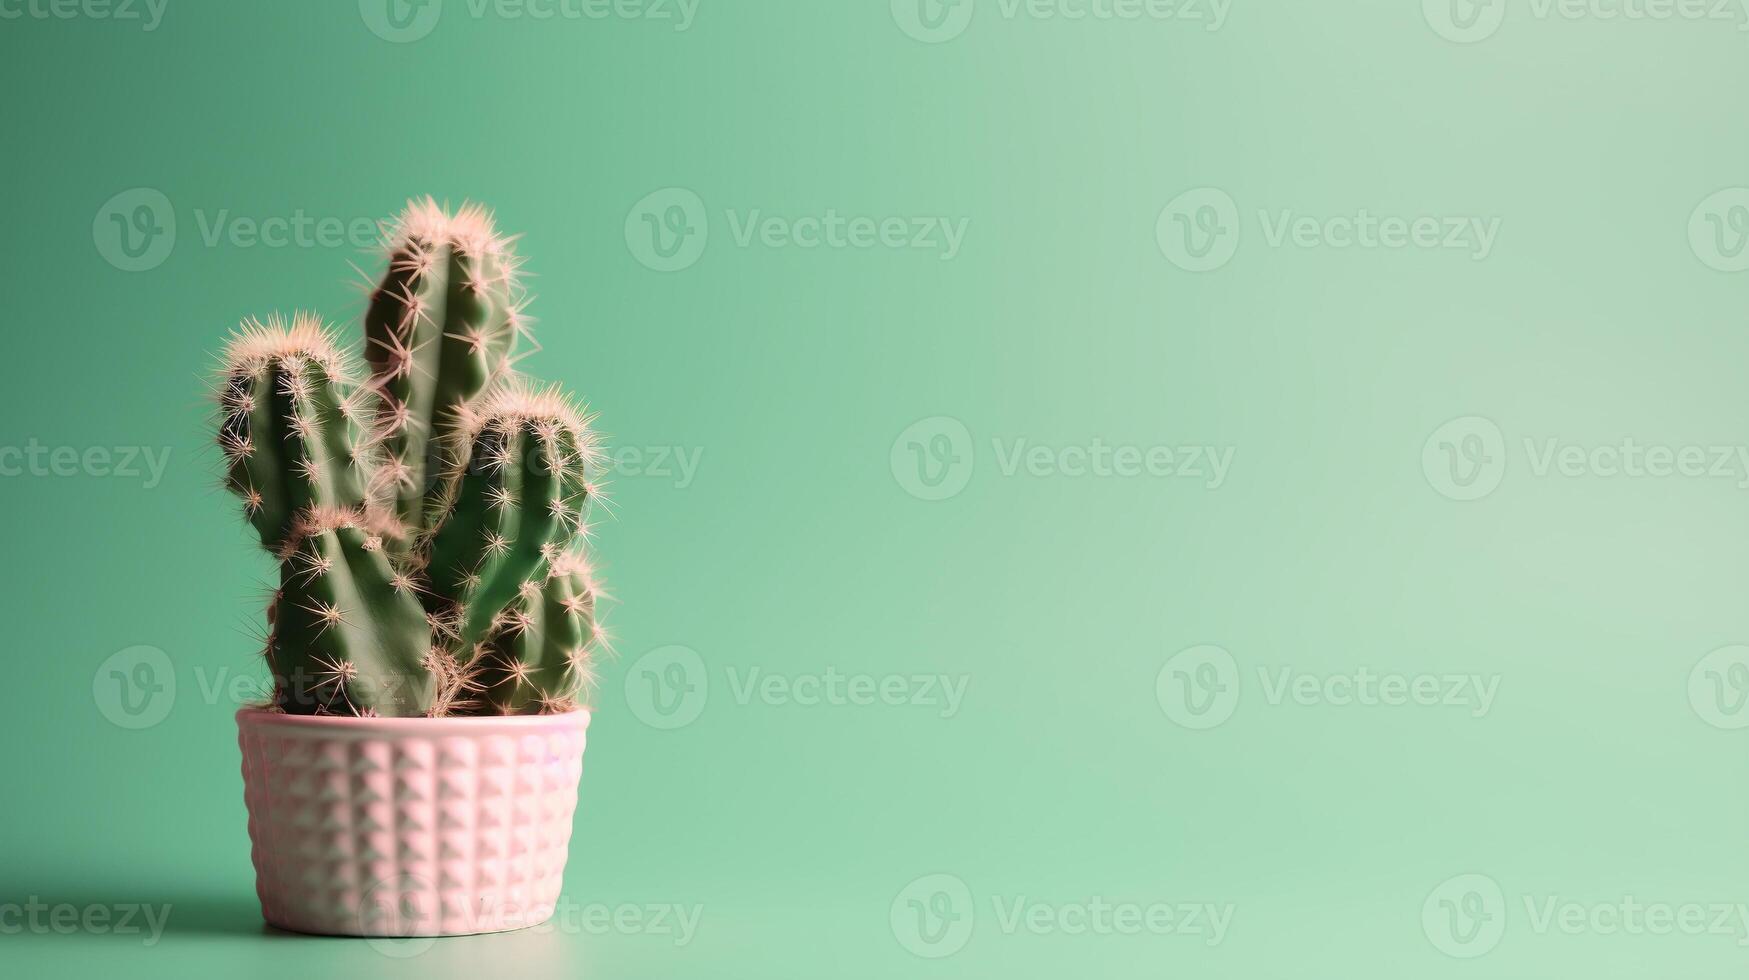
[414, 772]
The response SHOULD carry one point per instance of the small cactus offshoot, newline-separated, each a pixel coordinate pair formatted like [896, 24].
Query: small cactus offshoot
[428, 517]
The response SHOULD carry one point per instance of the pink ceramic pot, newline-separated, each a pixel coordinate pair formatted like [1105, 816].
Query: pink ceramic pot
[409, 826]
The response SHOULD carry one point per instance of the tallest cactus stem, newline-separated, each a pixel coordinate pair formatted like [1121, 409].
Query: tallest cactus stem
[441, 326]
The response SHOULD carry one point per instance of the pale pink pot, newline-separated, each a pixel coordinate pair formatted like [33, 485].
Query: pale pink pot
[409, 826]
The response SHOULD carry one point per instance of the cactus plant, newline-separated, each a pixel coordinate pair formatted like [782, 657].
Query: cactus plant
[429, 520]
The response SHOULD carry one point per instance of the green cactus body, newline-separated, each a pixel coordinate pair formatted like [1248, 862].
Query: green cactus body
[288, 427]
[536, 654]
[514, 499]
[429, 522]
[440, 327]
[351, 637]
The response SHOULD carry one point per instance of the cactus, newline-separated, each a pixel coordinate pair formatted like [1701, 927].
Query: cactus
[440, 328]
[504, 573]
[428, 522]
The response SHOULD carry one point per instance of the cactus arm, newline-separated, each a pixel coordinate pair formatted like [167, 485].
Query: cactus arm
[529, 530]
[351, 636]
[287, 426]
[514, 500]
[440, 327]
[536, 659]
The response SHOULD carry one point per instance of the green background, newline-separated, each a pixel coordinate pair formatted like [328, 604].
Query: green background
[1333, 543]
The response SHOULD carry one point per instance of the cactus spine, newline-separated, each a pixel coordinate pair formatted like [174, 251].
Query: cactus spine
[429, 522]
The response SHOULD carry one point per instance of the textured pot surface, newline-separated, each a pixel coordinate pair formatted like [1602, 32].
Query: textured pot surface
[409, 826]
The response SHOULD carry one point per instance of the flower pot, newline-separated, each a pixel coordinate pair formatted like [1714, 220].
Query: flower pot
[409, 826]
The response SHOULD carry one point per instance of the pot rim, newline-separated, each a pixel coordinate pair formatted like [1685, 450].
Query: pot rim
[254, 717]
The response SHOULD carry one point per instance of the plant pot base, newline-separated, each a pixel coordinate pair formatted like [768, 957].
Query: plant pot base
[403, 827]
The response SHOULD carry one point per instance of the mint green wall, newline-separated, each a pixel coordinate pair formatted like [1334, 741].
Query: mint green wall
[1116, 266]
